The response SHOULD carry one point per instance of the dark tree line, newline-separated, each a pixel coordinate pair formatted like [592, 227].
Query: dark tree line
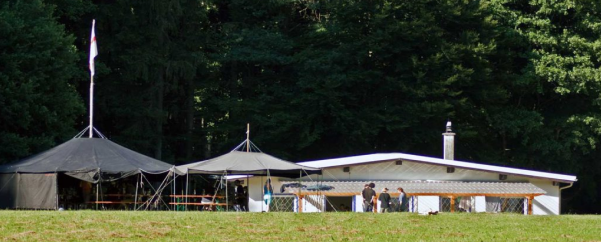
[179, 79]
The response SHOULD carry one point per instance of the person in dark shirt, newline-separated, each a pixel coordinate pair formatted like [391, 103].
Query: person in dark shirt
[368, 198]
[239, 196]
[385, 201]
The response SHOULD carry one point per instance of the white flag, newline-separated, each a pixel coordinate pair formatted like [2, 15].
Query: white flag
[93, 48]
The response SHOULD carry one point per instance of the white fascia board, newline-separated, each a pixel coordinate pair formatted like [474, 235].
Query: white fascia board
[351, 160]
[364, 159]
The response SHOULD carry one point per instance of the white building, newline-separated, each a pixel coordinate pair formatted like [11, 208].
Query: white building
[433, 184]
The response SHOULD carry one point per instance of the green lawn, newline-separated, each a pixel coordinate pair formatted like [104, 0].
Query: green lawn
[215, 226]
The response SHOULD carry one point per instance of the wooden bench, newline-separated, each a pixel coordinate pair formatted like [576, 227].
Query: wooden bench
[196, 196]
[204, 205]
[115, 202]
[199, 204]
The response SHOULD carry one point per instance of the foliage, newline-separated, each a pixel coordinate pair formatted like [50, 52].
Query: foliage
[153, 51]
[179, 80]
[38, 103]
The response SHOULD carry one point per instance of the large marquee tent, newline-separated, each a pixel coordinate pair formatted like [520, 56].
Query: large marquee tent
[32, 183]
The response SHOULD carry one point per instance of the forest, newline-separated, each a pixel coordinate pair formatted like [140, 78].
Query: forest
[178, 80]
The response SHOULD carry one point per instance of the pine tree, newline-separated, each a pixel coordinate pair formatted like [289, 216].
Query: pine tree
[38, 103]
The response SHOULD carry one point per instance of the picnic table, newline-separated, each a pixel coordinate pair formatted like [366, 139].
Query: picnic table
[201, 201]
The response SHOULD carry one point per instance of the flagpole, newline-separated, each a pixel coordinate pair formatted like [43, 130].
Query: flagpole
[91, 105]
[93, 53]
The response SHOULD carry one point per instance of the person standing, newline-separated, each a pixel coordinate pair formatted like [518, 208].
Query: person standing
[267, 193]
[86, 192]
[402, 200]
[384, 201]
[245, 203]
[369, 196]
[239, 196]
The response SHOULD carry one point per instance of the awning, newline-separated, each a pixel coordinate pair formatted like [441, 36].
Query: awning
[416, 188]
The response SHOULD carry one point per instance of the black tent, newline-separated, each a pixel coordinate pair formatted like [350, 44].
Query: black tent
[32, 183]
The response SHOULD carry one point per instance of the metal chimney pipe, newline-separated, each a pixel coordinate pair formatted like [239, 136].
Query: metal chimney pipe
[448, 143]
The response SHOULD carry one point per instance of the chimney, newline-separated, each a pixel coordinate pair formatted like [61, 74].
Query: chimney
[449, 143]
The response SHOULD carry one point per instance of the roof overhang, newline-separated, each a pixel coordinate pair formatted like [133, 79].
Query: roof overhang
[416, 188]
[385, 157]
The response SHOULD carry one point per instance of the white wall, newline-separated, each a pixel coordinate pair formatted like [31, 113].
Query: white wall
[310, 208]
[255, 192]
[427, 203]
[409, 171]
[358, 202]
[412, 206]
[480, 205]
[255, 195]
[547, 204]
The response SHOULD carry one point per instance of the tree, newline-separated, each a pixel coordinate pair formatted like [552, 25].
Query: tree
[38, 103]
[559, 72]
[180, 79]
[155, 57]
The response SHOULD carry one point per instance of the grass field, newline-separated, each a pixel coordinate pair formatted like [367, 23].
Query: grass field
[208, 226]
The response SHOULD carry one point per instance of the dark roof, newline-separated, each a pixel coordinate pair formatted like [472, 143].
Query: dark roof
[248, 163]
[88, 155]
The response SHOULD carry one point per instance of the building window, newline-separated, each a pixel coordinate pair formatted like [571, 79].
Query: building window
[505, 205]
[462, 204]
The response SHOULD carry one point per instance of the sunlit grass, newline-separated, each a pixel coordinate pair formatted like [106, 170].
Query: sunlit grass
[216, 226]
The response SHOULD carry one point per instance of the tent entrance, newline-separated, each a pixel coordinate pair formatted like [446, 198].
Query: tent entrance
[73, 193]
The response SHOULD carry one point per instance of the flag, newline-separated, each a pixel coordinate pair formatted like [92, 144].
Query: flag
[93, 48]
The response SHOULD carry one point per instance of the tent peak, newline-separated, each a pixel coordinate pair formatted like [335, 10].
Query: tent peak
[247, 146]
[81, 133]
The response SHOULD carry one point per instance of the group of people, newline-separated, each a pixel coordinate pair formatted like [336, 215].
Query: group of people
[386, 204]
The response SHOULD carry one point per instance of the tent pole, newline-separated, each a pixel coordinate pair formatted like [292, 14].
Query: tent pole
[227, 201]
[263, 194]
[142, 187]
[187, 182]
[97, 189]
[247, 196]
[248, 150]
[101, 196]
[173, 192]
[56, 180]
[300, 205]
[19, 188]
[91, 105]
[136, 196]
